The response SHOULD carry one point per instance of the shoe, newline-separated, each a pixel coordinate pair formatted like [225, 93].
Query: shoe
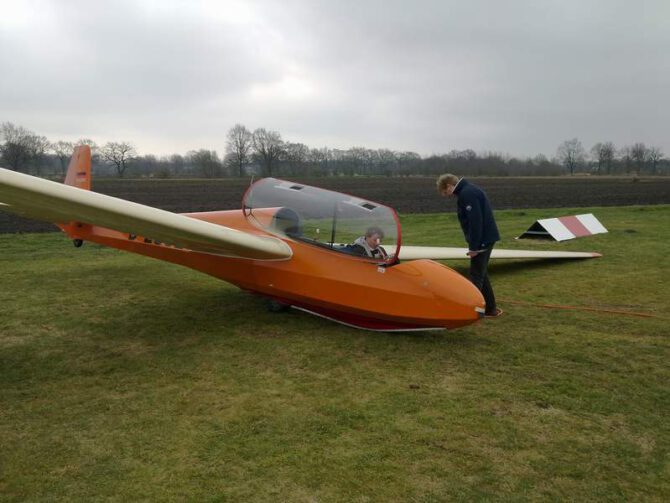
[498, 312]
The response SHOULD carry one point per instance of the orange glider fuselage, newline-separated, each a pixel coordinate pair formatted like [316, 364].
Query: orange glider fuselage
[414, 295]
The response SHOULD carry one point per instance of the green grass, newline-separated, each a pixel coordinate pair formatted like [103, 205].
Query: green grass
[124, 378]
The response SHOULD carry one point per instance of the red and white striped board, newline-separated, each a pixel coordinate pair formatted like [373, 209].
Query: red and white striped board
[564, 228]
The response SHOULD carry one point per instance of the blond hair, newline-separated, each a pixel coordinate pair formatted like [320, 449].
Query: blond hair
[444, 180]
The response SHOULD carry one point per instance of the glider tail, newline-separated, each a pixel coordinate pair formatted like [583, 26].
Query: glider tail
[79, 170]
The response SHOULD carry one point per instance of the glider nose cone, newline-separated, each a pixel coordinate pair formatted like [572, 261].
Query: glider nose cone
[461, 301]
[455, 300]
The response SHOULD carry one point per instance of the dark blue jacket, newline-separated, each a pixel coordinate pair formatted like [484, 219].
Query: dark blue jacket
[475, 216]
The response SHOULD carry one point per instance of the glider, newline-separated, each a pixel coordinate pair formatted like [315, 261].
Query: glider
[287, 243]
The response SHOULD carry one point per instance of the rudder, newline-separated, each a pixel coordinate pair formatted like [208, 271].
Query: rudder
[79, 169]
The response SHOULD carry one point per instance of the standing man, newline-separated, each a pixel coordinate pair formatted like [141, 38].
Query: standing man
[479, 227]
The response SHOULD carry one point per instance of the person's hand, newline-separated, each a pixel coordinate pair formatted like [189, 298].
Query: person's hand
[473, 253]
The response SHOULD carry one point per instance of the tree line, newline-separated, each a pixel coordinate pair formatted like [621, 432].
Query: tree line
[263, 152]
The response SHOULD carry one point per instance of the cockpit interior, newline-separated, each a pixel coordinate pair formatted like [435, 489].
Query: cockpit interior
[330, 220]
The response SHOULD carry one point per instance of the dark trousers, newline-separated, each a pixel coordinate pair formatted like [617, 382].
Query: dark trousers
[479, 276]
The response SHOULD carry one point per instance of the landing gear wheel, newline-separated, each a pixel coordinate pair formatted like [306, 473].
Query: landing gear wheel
[77, 243]
[274, 306]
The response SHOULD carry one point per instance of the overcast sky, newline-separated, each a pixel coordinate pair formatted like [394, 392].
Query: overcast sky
[515, 77]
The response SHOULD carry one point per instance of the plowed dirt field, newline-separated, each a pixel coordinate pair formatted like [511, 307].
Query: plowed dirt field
[406, 195]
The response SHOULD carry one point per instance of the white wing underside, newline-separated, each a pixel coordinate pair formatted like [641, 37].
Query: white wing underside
[443, 253]
[41, 199]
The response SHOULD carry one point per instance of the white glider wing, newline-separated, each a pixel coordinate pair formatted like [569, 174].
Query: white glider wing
[42, 199]
[442, 253]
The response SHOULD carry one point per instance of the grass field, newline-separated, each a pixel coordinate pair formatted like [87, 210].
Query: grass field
[124, 378]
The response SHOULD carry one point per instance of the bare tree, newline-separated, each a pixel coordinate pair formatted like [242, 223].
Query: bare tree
[386, 161]
[63, 151]
[146, 164]
[604, 155]
[571, 154]
[178, 163]
[625, 154]
[296, 155]
[206, 162]
[339, 161]
[118, 155]
[407, 161]
[638, 152]
[238, 147]
[355, 159]
[320, 158]
[17, 147]
[267, 147]
[654, 154]
[39, 145]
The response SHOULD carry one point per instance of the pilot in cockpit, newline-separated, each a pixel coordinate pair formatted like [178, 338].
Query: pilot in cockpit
[370, 244]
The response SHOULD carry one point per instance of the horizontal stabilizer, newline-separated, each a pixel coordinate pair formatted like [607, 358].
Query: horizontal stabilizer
[41, 199]
[444, 253]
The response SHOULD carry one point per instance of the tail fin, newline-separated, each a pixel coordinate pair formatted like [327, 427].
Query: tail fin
[79, 170]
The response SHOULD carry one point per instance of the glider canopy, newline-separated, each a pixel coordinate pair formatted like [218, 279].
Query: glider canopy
[318, 216]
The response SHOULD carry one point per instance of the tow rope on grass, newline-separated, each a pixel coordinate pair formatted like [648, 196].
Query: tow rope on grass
[582, 308]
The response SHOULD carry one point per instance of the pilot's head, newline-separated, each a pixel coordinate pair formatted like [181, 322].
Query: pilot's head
[374, 236]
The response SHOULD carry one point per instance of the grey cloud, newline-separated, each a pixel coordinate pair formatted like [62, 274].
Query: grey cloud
[429, 76]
